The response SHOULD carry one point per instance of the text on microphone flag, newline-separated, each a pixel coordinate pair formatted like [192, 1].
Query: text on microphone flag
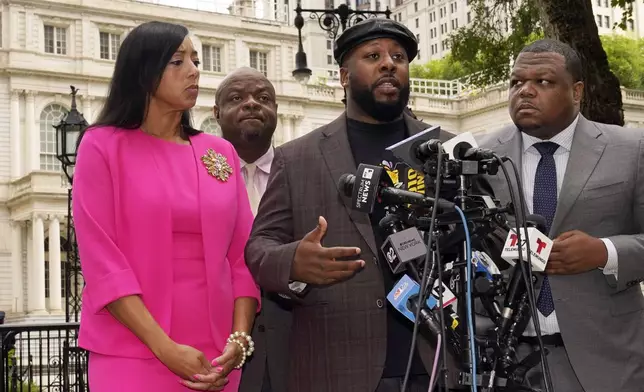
[540, 248]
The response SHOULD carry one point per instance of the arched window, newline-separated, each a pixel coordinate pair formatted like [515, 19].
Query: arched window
[50, 116]
[211, 126]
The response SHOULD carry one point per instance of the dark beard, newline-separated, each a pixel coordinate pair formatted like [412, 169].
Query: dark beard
[380, 111]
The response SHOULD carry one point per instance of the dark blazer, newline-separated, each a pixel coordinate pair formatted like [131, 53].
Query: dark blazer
[601, 319]
[339, 332]
[271, 334]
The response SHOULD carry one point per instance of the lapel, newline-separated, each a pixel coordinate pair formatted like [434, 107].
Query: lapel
[510, 145]
[338, 157]
[587, 148]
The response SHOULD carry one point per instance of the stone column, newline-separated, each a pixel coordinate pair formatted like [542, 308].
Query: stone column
[36, 268]
[87, 108]
[287, 130]
[17, 287]
[55, 298]
[298, 129]
[16, 139]
[33, 135]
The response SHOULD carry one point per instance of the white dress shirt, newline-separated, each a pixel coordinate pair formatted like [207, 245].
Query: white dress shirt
[530, 160]
[261, 173]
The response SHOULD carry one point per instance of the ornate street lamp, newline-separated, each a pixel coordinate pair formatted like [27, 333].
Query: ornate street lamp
[67, 133]
[330, 20]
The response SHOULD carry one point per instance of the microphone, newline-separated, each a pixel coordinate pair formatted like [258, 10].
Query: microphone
[540, 244]
[401, 245]
[540, 248]
[371, 185]
[404, 297]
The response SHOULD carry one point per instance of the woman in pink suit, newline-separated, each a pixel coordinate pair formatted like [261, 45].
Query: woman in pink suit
[162, 218]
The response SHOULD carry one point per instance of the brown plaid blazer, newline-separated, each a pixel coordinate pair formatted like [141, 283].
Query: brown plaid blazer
[339, 332]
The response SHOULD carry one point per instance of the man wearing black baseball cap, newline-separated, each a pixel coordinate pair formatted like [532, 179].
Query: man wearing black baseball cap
[345, 337]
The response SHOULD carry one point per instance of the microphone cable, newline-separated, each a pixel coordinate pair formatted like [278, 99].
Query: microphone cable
[468, 299]
[527, 275]
[423, 283]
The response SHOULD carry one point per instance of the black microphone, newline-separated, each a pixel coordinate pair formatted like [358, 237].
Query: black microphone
[465, 152]
[516, 286]
[370, 186]
[429, 148]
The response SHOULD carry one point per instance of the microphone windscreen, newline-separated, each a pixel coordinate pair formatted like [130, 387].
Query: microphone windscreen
[345, 184]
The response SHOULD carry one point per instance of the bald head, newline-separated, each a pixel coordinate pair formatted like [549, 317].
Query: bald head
[246, 109]
[237, 75]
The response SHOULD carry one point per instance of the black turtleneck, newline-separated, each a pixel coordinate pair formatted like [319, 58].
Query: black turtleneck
[368, 143]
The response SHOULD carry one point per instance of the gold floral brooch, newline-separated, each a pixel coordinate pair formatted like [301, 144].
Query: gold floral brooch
[217, 165]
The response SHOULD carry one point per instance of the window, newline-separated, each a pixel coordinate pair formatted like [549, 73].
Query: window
[469, 17]
[417, 23]
[109, 45]
[599, 21]
[259, 61]
[329, 59]
[55, 40]
[211, 58]
[418, 38]
[631, 25]
[50, 116]
[607, 21]
[329, 44]
[211, 126]
[415, 7]
[418, 54]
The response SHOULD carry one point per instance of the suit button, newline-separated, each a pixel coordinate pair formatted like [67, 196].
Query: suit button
[261, 328]
[380, 303]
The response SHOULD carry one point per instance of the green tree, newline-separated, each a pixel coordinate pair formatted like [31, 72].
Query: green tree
[501, 28]
[442, 69]
[626, 59]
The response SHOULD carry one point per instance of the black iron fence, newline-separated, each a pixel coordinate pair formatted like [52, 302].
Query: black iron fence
[42, 357]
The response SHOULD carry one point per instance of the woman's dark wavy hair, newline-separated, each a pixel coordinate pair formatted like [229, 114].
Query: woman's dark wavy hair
[141, 60]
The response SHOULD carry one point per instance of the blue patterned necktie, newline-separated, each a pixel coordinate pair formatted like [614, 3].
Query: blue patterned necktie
[544, 202]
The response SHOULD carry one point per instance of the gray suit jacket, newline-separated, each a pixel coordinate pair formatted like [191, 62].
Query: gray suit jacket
[601, 319]
[338, 339]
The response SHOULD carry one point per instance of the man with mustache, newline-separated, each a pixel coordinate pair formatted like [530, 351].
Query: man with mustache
[246, 110]
[587, 180]
[345, 337]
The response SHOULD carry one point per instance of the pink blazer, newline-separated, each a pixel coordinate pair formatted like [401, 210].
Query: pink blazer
[125, 237]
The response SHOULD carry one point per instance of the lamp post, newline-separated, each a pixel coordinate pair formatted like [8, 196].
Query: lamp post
[67, 133]
[330, 20]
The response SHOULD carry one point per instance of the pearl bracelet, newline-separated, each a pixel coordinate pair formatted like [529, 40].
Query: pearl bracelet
[247, 350]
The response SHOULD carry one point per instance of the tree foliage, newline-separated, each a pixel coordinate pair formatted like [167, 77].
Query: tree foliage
[625, 57]
[501, 28]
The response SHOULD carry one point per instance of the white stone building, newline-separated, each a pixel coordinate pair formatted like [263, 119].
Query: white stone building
[46, 46]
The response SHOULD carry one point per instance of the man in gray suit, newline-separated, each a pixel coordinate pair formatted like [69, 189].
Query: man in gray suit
[345, 337]
[246, 110]
[587, 180]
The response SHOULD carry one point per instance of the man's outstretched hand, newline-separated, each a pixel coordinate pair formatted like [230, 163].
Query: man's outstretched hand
[315, 264]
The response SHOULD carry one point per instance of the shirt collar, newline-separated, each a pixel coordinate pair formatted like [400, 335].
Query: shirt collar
[563, 138]
[263, 163]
